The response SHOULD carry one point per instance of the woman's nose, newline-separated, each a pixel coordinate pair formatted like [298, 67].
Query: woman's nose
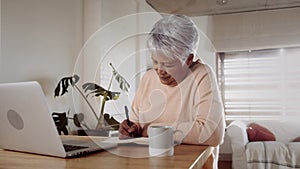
[160, 68]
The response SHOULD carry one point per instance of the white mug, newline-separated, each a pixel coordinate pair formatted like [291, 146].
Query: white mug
[161, 140]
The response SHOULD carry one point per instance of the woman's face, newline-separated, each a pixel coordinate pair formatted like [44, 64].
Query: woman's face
[170, 71]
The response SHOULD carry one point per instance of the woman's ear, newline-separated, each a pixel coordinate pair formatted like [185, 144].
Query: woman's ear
[189, 60]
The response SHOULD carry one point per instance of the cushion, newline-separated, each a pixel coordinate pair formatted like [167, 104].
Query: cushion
[296, 139]
[257, 132]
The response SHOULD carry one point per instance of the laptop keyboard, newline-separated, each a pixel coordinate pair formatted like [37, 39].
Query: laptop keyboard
[72, 147]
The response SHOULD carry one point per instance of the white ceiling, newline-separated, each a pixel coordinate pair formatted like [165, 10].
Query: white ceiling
[214, 7]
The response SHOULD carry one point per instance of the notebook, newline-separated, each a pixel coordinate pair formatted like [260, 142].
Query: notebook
[26, 124]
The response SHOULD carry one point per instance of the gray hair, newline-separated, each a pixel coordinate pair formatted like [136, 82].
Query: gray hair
[175, 35]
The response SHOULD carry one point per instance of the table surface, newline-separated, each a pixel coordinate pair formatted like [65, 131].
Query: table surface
[122, 156]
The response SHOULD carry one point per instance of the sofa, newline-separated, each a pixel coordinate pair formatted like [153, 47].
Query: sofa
[277, 146]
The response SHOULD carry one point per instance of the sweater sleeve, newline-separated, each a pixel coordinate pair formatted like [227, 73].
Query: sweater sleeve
[208, 124]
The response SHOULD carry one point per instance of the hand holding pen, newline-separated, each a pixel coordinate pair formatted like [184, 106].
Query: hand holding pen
[129, 129]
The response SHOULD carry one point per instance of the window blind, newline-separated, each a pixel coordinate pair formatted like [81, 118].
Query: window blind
[263, 84]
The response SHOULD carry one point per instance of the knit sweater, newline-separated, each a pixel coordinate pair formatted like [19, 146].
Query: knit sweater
[193, 106]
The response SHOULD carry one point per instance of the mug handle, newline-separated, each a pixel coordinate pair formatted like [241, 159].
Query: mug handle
[178, 142]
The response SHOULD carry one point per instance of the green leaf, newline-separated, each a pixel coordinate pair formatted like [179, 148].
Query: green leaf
[97, 91]
[94, 89]
[115, 96]
[111, 121]
[64, 83]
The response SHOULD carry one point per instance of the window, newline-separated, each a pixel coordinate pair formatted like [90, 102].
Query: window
[262, 84]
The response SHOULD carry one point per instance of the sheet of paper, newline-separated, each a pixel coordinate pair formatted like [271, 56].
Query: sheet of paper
[139, 140]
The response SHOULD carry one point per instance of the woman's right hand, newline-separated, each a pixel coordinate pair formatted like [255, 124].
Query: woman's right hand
[129, 129]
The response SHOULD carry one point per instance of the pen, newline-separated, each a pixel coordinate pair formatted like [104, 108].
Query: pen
[128, 121]
[127, 116]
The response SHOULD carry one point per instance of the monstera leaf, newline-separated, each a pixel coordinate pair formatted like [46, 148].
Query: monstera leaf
[111, 121]
[64, 83]
[61, 122]
[123, 84]
[97, 91]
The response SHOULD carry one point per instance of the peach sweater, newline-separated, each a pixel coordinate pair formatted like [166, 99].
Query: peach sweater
[194, 106]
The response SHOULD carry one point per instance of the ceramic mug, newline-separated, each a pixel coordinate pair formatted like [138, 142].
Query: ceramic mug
[161, 140]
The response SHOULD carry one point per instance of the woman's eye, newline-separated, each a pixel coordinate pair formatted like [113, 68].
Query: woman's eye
[168, 66]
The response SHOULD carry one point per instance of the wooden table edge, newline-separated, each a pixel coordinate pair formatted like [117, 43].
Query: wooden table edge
[202, 158]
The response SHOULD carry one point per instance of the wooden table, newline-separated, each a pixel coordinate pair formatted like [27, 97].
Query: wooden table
[185, 156]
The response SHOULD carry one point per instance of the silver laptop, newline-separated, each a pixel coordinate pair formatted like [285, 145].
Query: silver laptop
[26, 124]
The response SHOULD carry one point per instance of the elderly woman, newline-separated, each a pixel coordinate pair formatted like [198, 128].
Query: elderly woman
[179, 91]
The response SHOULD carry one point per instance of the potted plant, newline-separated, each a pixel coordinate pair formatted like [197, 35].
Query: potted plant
[89, 89]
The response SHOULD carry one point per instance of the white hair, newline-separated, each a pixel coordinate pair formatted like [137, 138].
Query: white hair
[175, 35]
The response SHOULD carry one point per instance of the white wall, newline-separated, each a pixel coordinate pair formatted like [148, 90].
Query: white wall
[111, 34]
[206, 51]
[40, 40]
[257, 30]
[110, 24]
[0, 31]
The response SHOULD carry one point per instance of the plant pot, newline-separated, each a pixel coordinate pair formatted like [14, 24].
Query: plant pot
[93, 132]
